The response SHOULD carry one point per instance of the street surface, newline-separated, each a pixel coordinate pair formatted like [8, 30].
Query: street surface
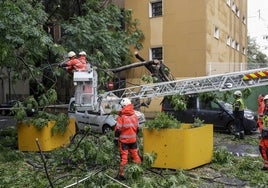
[7, 121]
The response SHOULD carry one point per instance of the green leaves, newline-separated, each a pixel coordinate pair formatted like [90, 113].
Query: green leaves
[222, 156]
[178, 102]
[61, 123]
[22, 31]
[134, 171]
[255, 55]
[162, 121]
[101, 30]
[197, 123]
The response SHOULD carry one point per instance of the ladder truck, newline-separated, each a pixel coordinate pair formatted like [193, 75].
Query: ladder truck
[167, 85]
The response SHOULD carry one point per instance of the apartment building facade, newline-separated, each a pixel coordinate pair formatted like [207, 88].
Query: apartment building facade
[193, 37]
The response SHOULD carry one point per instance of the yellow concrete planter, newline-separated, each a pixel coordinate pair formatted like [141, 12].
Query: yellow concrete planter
[184, 148]
[27, 135]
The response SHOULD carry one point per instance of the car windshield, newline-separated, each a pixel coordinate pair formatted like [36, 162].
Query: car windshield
[226, 105]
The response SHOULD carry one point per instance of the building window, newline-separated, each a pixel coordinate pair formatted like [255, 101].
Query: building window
[216, 32]
[244, 20]
[237, 12]
[228, 40]
[157, 53]
[228, 2]
[237, 46]
[265, 37]
[233, 43]
[156, 8]
[233, 7]
[244, 50]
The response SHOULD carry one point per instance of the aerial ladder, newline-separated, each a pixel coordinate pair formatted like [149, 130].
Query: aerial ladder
[165, 86]
[219, 82]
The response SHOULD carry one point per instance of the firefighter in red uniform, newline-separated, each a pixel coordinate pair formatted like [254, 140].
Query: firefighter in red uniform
[83, 57]
[126, 130]
[263, 147]
[260, 110]
[73, 64]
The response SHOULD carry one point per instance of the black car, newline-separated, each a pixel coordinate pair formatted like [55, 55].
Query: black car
[5, 108]
[218, 113]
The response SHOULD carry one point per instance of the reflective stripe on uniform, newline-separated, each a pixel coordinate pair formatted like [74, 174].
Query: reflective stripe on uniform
[266, 163]
[128, 136]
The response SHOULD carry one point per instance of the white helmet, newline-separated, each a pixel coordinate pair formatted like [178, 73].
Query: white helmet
[71, 54]
[265, 98]
[125, 101]
[83, 53]
[238, 93]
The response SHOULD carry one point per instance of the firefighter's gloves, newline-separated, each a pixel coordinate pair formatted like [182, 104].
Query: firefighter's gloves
[116, 137]
[62, 65]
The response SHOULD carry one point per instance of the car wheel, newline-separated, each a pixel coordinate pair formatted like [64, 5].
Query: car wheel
[231, 128]
[72, 107]
[106, 129]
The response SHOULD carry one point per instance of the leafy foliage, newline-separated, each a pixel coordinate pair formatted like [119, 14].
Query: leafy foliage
[91, 160]
[23, 40]
[30, 46]
[178, 101]
[148, 159]
[255, 55]
[197, 123]
[207, 96]
[162, 121]
[39, 117]
[148, 79]
[222, 156]
[134, 171]
[61, 123]
[106, 33]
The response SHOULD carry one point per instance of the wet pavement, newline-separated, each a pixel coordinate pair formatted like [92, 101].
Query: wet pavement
[243, 149]
[7, 121]
[240, 147]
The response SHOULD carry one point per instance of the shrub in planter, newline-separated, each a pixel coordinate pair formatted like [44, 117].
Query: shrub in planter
[178, 145]
[162, 121]
[49, 126]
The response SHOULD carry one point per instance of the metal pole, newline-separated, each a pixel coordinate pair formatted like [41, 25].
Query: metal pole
[9, 83]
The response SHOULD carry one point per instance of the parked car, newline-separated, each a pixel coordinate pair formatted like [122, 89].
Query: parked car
[100, 121]
[217, 112]
[5, 108]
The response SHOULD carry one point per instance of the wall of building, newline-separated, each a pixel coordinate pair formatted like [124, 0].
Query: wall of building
[186, 31]
[184, 41]
[12, 90]
[226, 57]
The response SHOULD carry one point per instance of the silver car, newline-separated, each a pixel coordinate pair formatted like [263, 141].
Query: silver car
[102, 121]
